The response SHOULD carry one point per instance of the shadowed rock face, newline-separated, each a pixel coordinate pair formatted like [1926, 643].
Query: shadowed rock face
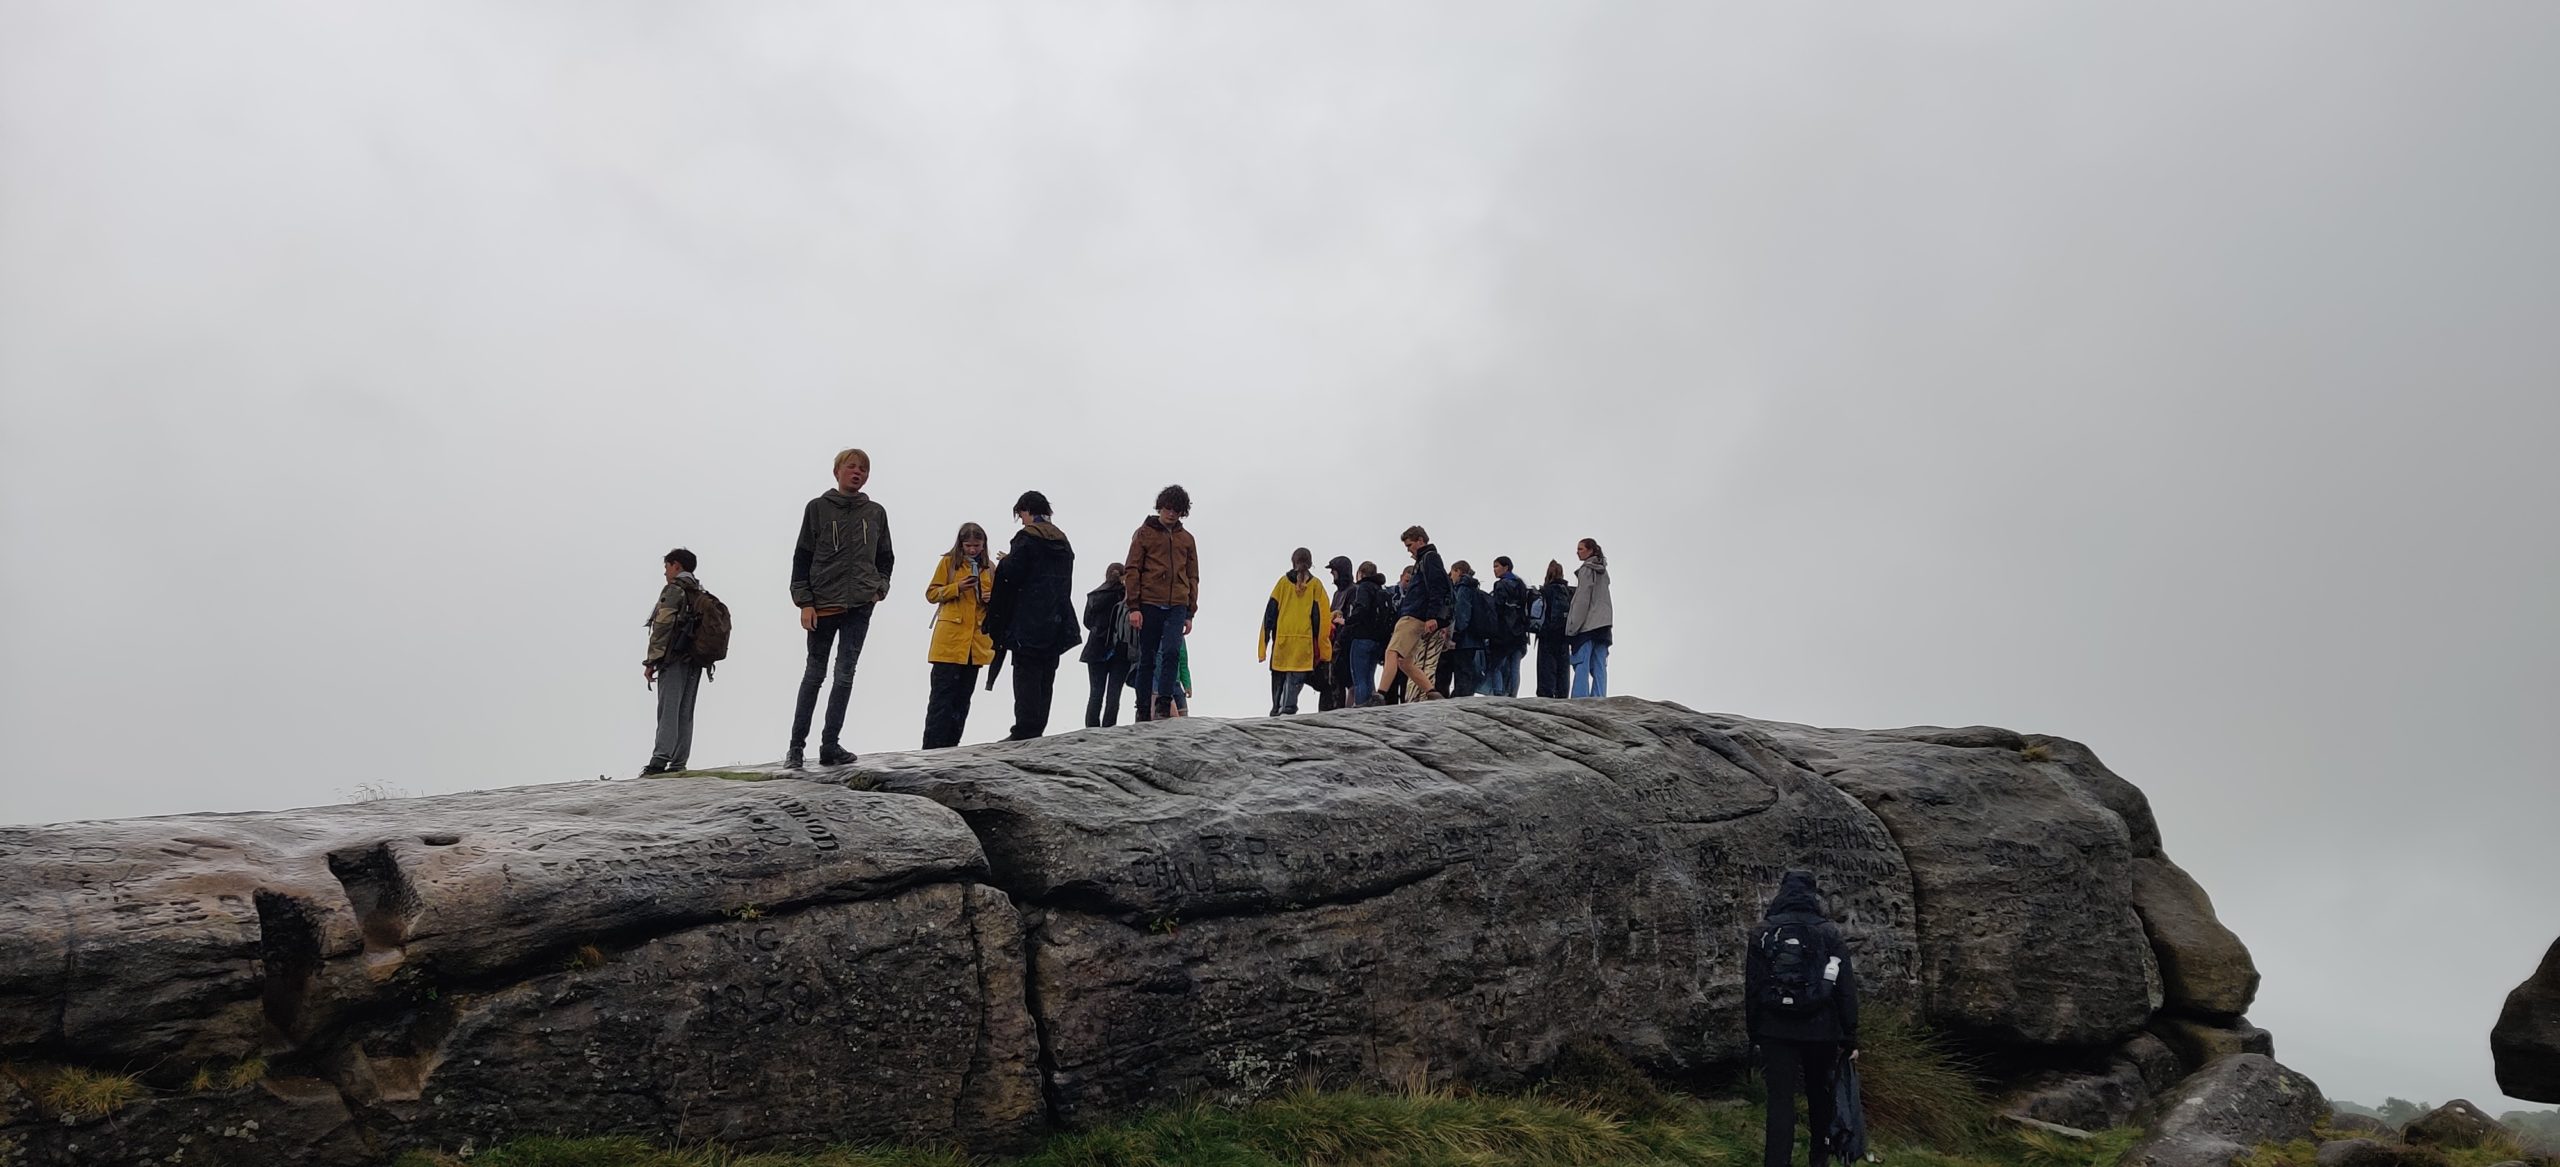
[975, 944]
[2526, 1041]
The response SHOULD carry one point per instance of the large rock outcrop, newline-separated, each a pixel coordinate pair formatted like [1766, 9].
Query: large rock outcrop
[2526, 1041]
[973, 945]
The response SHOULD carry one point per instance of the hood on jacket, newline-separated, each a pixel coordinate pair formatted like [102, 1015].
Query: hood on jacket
[1157, 522]
[1797, 895]
[1110, 589]
[1598, 564]
[845, 501]
[1340, 566]
[1044, 530]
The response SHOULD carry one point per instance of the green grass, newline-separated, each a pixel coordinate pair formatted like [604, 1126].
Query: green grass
[76, 1094]
[1917, 1089]
[1560, 1126]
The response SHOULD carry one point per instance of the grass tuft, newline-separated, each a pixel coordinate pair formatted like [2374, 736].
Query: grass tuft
[586, 957]
[2036, 752]
[77, 1094]
[1918, 1088]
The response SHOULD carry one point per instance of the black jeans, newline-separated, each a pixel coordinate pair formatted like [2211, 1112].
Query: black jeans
[1789, 1066]
[842, 632]
[1555, 666]
[946, 706]
[1035, 681]
[1103, 707]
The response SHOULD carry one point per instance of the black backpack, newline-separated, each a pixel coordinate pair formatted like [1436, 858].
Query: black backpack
[1511, 611]
[1373, 614]
[1803, 966]
[1482, 624]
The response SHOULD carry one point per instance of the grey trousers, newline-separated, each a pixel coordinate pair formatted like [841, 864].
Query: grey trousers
[677, 686]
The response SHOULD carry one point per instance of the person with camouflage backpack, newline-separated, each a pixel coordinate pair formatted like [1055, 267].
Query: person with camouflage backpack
[688, 634]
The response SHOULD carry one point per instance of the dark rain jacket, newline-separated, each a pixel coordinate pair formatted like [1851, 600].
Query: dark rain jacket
[1800, 902]
[1032, 612]
[1105, 626]
[1513, 591]
[1428, 598]
[843, 557]
[1472, 625]
[1372, 612]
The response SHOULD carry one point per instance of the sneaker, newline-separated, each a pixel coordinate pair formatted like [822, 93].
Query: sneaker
[791, 760]
[835, 756]
[1434, 695]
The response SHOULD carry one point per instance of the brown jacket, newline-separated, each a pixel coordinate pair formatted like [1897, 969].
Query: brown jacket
[1163, 568]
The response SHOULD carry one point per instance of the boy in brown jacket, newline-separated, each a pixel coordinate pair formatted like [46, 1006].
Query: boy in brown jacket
[1162, 581]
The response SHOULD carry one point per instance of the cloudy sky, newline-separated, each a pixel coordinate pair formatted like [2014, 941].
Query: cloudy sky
[2179, 378]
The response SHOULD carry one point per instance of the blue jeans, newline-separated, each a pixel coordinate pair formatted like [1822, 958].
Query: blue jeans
[1591, 669]
[1159, 656]
[1502, 673]
[1365, 655]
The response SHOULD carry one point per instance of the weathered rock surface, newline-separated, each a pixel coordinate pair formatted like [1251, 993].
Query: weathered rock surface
[2201, 1043]
[2218, 1114]
[2526, 1041]
[971, 945]
[2353, 1153]
[2204, 969]
[2456, 1124]
[767, 963]
[2028, 933]
[2106, 1094]
[1232, 905]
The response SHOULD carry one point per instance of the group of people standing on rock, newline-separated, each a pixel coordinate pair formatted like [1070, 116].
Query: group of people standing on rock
[1437, 631]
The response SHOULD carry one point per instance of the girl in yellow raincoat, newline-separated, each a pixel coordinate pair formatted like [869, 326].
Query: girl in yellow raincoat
[1294, 631]
[963, 581]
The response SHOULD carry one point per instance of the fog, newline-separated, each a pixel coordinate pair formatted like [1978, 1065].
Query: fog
[2176, 378]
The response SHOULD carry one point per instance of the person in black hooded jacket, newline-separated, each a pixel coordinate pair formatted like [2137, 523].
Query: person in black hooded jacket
[1800, 1003]
[1108, 645]
[1032, 615]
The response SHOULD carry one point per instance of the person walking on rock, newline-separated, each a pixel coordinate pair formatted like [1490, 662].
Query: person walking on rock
[1110, 647]
[1295, 632]
[674, 667]
[1800, 1002]
[1549, 614]
[1588, 622]
[839, 570]
[1422, 608]
[1162, 578]
[963, 581]
[1032, 615]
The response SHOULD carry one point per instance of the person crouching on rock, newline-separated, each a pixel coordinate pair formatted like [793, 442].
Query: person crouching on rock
[962, 584]
[1800, 1002]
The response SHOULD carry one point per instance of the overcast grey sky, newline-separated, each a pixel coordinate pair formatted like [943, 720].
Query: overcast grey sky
[2179, 378]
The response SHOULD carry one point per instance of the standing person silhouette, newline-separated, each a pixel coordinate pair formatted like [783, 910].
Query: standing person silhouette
[1162, 580]
[839, 570]
[1800, 1003]
[1032, 615]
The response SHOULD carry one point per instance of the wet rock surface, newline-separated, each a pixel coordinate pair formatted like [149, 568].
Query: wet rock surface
[2526, 1041]
[2223, 1110]
[976, 945]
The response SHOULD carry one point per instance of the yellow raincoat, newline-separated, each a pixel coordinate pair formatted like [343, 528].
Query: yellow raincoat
[959, 637]
[1297, 627]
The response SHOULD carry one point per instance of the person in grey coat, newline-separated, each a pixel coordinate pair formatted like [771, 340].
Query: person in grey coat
[839, 569]
[1587, 625]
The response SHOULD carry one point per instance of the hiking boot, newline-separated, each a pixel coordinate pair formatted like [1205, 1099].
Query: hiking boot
[1434, 695]
[1375, 701]
[791, 760]
[835, 756]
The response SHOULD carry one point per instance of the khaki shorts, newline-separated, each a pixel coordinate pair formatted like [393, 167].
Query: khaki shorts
[1407, 640]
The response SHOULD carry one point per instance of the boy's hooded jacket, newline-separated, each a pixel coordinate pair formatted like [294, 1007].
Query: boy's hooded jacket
[1033, 610]
[1428, 598]
[1590, 598]
[960, 596]
[843, 557]
[1296, 626]
[1163, 569]
[1799, 902]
